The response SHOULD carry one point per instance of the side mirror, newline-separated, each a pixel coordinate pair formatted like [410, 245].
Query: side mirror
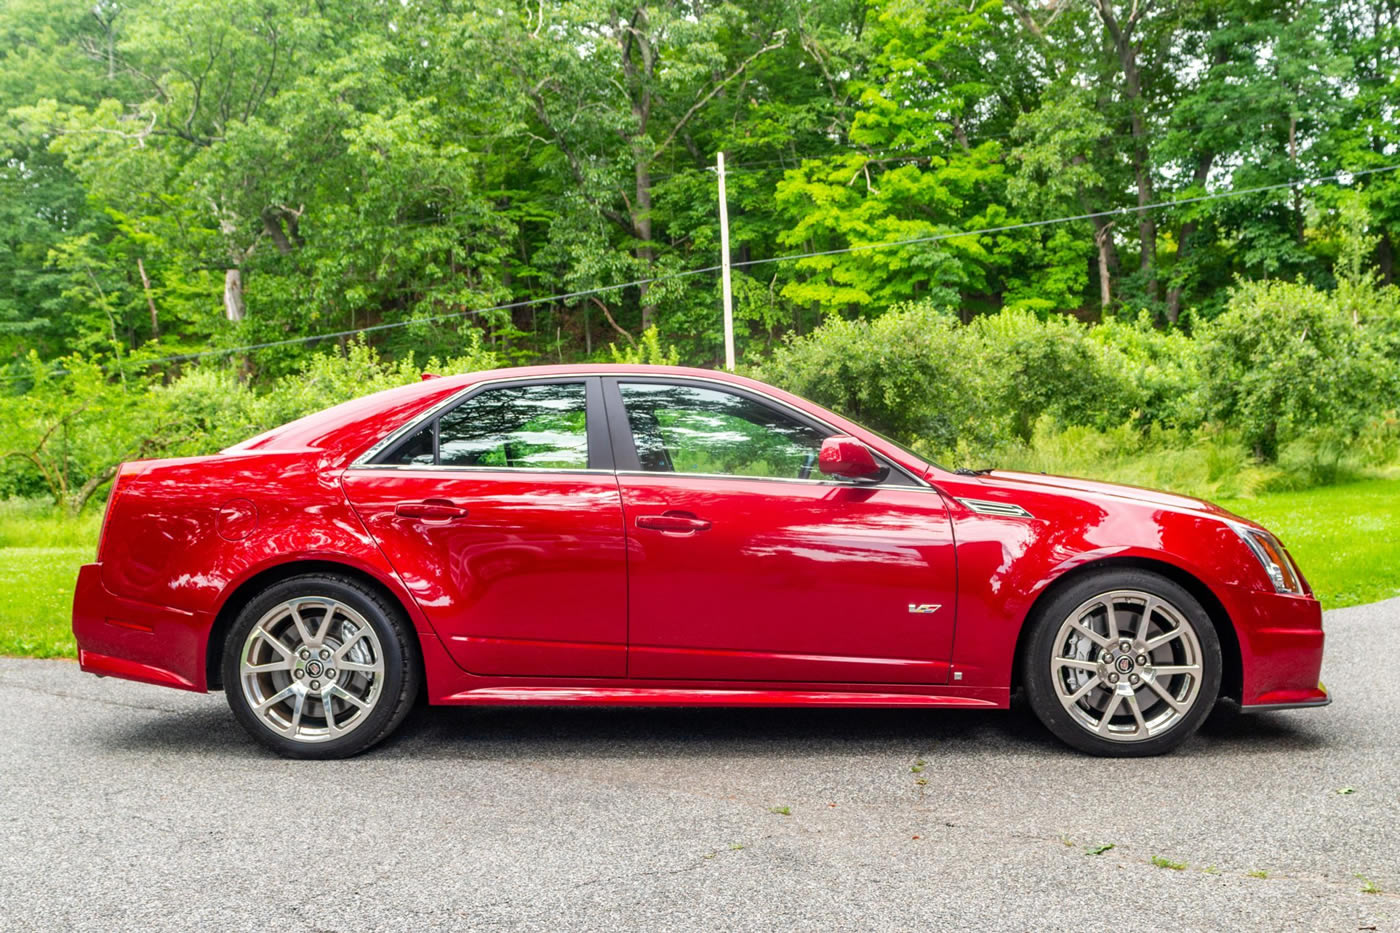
[845, 457]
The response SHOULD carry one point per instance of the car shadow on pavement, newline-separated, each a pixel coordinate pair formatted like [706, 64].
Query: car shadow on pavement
[532, 733]
[507, 733]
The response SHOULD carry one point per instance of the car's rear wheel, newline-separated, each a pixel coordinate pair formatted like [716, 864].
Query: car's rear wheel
[320, 666]
[1123, 663]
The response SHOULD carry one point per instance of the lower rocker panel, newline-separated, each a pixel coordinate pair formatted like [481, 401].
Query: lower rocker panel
[668, 696]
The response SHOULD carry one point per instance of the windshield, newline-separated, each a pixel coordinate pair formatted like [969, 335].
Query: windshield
[906, 448]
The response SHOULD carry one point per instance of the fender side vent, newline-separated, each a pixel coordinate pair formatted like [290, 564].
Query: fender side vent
[985, 507]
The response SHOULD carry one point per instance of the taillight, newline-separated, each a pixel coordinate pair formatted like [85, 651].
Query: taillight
[124, 472]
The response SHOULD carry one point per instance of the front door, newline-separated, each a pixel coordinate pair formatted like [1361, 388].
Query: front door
[745, 564]
[502, 516]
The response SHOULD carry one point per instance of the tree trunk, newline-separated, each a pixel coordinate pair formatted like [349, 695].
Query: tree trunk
[641, 225]
[233, 294]
[1103, 238]
[272, 223]
[1183, 239]
[1385, 259]
[150, 302]
[1127, 51]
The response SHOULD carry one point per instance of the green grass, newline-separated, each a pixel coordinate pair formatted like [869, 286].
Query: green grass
[1345, 539]
[37, 584]
[40, 553]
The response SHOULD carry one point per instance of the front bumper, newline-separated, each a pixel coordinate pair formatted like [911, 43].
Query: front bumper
[119, 637]
[1281, 641]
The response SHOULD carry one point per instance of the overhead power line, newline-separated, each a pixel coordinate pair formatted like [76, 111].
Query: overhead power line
[1344, 177]
[1116, 212]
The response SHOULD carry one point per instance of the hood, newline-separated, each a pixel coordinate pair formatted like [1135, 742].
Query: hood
[1012, 479]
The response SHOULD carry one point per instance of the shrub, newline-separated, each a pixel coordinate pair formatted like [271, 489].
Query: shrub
[1050, 367]
[906, 373]
[1284, 360]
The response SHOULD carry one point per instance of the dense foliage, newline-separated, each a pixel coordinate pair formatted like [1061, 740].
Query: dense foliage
[178, 173]
[179, 176]
[1285, 373]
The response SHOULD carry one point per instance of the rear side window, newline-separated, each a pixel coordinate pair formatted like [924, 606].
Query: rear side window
[537, 427]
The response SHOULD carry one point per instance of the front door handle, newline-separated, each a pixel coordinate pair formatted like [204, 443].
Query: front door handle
[673, 522]
[431, 510]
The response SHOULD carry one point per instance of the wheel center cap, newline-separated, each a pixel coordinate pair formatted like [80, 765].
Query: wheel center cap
[1124, 664]
[313, 668]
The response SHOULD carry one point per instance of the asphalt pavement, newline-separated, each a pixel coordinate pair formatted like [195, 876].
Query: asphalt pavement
[127, 807]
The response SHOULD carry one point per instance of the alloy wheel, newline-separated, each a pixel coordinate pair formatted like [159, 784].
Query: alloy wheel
[312, 669]
[1127, 665]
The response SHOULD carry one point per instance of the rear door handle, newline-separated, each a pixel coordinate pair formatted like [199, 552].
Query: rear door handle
[432, 510]
[673, 522]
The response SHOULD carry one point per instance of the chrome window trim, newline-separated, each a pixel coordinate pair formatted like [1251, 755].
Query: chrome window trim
[361, 461]
[834, 483]
[478, 469]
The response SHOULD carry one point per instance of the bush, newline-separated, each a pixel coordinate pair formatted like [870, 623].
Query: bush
[1285, 360]
[1049, 367]
[904, 373]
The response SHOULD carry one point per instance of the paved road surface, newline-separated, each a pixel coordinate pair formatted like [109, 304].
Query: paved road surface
[132, 807]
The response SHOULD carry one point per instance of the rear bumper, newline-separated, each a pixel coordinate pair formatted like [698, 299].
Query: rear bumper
[1281, 641]
[125, 638]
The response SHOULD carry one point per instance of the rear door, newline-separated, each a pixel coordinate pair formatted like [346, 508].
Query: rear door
[502, 516]
[747, 564]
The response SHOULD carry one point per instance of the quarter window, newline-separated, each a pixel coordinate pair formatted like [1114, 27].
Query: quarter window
[538, 426]
[687, 429]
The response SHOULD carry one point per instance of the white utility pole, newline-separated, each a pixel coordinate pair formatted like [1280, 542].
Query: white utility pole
[724, 265]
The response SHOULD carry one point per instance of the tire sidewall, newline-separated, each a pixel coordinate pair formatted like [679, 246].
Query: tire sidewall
[399, 669]
[1046, 624]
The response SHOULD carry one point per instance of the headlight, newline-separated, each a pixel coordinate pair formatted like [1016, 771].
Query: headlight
[1273, 558]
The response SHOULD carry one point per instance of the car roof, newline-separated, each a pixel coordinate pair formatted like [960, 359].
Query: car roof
[356, 423]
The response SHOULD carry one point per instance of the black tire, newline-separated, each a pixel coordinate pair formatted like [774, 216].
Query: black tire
[1041, 688]
[393, 696]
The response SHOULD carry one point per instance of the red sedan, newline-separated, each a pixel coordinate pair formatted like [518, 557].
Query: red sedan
[665, 536]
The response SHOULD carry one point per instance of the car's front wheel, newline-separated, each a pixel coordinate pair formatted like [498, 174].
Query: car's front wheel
[1123, 663]
[320, 666]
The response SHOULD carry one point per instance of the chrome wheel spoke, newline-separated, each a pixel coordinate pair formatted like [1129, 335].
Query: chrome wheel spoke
[284, 665]
[276, 698]
[1164, 638]
[1109, 712]
[1075, 663]
[376, 668]
[338, 691]
[331, 728]
[300, 623]
[350, 642]
[1090, 634]
[262, 634]
[1170, 669]
[298, 707]
[1137, 713]
[1165, 695]
[1079, 694]
[324, 628]
[1111, 618]
[1146, 623]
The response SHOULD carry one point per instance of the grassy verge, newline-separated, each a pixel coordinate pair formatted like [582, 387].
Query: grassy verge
[1345, 538]
[38, 587]
[40, 553]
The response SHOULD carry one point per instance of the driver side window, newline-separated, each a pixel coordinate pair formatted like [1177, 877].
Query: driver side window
[687, 429]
